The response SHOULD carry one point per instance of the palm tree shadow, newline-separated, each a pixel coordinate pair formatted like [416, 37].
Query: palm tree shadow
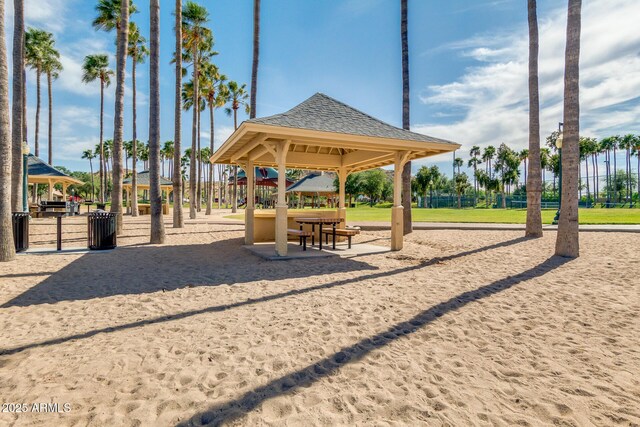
[140, 269]
[305, 377]
[271, 297]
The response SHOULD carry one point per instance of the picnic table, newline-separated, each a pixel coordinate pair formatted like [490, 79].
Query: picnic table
[320, 222]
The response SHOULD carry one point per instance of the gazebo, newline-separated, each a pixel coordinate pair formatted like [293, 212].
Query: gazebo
[322, 133]
[40, 172]
[314, 184]
[143, 183]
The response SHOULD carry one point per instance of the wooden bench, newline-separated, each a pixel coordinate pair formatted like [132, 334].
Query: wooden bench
[301, 234]
[347, 232]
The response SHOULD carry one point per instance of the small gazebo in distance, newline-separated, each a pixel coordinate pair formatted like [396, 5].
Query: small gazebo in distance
[322, 133]
[40, 172]
[313, 185]
[143, 183]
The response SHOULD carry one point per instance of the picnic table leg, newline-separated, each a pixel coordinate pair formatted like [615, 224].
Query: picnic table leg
[320, 236]
[301, 236]
[59, 230]
[334, 236]
[313, 235]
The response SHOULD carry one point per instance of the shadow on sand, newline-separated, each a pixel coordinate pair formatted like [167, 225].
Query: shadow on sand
[305, 377]
[272, 297]
[143, 269]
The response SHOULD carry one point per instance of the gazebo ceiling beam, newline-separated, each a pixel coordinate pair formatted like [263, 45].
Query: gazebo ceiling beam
[326, 161]
[356, 157]
[256, 141]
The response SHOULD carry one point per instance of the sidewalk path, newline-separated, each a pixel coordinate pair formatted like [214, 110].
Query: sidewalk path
[381, 225]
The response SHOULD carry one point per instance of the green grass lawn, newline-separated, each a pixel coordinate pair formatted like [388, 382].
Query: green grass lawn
[364, 213]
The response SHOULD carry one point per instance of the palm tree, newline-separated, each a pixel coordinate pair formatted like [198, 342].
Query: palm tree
[137, 51]
[110, 15]
[567, 240]
[37, 45]
[216, 95]
[487, 156]
[627, 142]
[533, 181]
[461, 185]
[256, 55]
[96, 67]
[178, 220]
[407, 224]
[167, 152]
[155, 197]
[18, 120]
[458, 163]
[7, 248]
[52, 68]
[238, 97]
[90, 155]
[194, 35]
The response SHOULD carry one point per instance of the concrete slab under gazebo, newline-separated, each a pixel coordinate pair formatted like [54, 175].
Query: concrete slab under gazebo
[40, 172]
[322, 133]
[143, 183]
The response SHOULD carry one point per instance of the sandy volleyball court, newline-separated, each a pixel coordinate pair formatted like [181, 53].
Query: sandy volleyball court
[460, 328]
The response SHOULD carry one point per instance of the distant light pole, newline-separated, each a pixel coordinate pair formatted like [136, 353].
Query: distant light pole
[559, 147]
[25, 177]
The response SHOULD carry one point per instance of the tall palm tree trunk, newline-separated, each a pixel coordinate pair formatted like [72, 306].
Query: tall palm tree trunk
[256, 57]
[155, 196]
[118, 121]
[210, 184]
[36, 140]
[93, 190]
[134, 160]
[199, 163]
[567, 241]
[17, 129]
[7, 248]
[406, 172]
[102, 174]
[194, 136]
[50, 130]
[178, 220]
[586, 164]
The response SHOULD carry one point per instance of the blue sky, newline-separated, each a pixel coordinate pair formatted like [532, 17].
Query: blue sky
[468, 66]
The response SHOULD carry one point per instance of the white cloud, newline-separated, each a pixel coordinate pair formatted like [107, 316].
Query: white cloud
[494, 93]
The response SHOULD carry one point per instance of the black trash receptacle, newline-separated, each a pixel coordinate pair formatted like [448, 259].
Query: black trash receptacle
[101, 230]
[20, 222]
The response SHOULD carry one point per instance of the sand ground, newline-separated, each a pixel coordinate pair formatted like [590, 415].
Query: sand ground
[460, 328]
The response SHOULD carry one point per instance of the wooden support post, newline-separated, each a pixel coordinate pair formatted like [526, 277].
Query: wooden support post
[343, 173]
[250, 172]
[281, 149]
[401, 158]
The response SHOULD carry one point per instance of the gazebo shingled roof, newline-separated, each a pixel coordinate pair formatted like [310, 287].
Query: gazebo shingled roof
[143, 180]
[314, 183]
[326, 134]
[40, 172]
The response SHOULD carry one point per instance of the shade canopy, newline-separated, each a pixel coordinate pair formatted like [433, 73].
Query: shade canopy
[39, 172]
[264, 177]
[143, 182]
[325, 134]
[315, 183]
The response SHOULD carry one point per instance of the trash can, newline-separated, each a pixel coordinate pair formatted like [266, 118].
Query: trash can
[101, 231]
[20, 221]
